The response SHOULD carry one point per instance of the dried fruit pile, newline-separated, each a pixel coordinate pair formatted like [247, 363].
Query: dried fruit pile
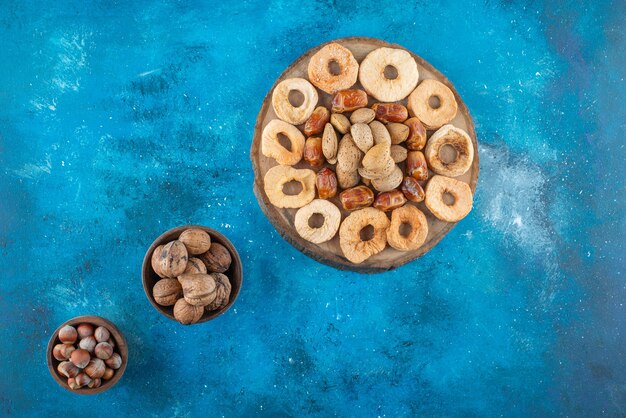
[192, 285]
[361, 148]
[87, 355]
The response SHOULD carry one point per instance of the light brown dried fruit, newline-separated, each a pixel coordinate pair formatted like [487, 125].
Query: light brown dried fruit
[198, 289]
[390, 112]
[313, 151]
[197, 241]
[187, 314]
[412, 189]
[363, 115]
[407, 214]
[275, 180]
[417, 134]
[315, 123]
[460, 191]
[390, 200]
[352, 246]
[217, 259]
[398, 153]
[173, 259]
[399, 132]
[326, 183]
[356, 198]
[348, 100]
[340, 122]
[222, 291]
[329, 144]
[416, 165]
[167, 291]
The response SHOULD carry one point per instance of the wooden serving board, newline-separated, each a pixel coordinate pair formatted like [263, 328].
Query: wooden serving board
[283, 219]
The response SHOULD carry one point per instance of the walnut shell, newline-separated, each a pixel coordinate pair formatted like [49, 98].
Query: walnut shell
[172, 260]
[195, 265]
[223, 289]
[187, 314]
[196, 240]
[217, 259]
[167, 291]
[154, 261]
[198, 289]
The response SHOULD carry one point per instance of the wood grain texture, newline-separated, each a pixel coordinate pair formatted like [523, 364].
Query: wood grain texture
[120, 347]
[282, 219]
[234, 272]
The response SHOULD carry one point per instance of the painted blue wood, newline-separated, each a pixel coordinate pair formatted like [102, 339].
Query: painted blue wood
[119, 120]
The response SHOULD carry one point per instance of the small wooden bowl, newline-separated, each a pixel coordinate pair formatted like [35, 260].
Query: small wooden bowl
[120, 347]
[234, 272]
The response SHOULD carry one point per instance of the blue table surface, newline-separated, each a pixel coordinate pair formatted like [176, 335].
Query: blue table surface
[119, 120]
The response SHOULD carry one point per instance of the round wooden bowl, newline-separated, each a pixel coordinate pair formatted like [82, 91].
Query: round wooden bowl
[120, 347]
[283, 219]
[234, 272]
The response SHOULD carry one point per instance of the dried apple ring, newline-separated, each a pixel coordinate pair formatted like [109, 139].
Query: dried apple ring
[353, 247]
[323, 233]
[375, 82]
[431, 116]
[457, 139]
[283, 108]
[277, 176]
[460, 191]
[320, 73]
[271, 146]
[407, 214]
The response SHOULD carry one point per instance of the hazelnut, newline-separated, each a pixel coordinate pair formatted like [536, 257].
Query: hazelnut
[196, 240]
[84, 330]
[108, 373]
[82, 379]
[95, 368]
[114, 362]
[217, 259]
[187, 314]
[103, 350]
[195, 265]
[68, 369]
[68, 334]
[167, 291]
[154, 260]
[172, 261]
[71, 382]
[95, 383]
[88, 343]
[101, 334]
[111, 342]
[198, 289]
[62, 351]
[80, 358]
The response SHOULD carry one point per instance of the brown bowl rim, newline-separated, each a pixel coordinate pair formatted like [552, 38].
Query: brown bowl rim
[146, 269]
[121, 346]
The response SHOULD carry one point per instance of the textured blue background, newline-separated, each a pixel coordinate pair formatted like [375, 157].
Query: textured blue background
[119, 121]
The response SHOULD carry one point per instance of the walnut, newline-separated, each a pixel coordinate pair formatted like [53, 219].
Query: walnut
[172, 260]
[196, 240]
[223, 289]
[217, 259]
[167, 291]
[187, 314]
